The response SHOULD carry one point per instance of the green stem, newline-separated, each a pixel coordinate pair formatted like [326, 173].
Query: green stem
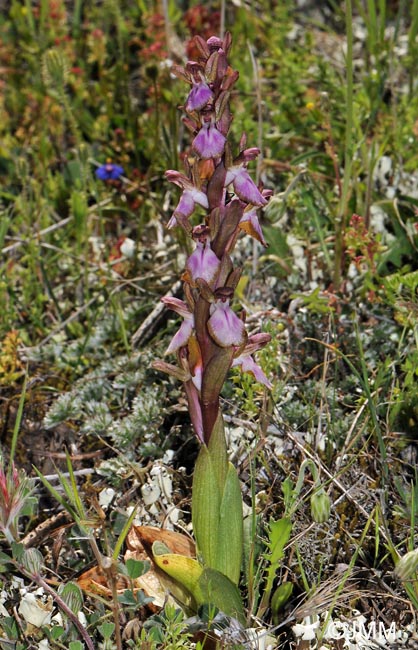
[340, 222]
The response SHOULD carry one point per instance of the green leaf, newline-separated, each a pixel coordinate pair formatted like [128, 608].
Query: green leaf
[135, 568]
[218, 451]
[65, 504]
[230, 531]
[288, 490]
[185, 570]
[127, 598]
[183, 574]
[56, 632]
[32, 561]
[17, 551]
[206, 502]
[106, 629]
[279, 535]
[280, 598]
[205, 585]
[217, 507]
[4, 558]
[72, 596]
[76, 645]
[216, 589]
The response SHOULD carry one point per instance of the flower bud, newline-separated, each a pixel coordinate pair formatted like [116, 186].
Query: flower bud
[320, 506]
[407, 565]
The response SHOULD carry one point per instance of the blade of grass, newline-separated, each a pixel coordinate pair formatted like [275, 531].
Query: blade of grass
[67, 506]
[122, 536]
[18, 420]
[74, 493]
[340, 221]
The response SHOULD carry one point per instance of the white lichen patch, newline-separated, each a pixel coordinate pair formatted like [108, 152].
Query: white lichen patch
[35, 609]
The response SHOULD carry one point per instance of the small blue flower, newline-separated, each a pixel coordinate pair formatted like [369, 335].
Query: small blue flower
[109, 172]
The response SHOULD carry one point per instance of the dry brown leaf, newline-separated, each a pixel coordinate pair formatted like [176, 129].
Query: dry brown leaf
[139, 538]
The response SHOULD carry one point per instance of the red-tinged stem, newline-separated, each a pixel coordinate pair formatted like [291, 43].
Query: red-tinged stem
[62, 605]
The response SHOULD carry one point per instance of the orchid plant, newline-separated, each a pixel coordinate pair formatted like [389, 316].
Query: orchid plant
[212, 337]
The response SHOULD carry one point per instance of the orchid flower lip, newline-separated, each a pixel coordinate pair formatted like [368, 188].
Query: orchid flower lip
[250, 224]
[209, 142]
[199, 96]
[203, 263]
[224, 326]
[244, 185]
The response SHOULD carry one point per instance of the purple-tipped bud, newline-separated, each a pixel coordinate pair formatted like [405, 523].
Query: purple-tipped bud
[214, 43]
[209, 142]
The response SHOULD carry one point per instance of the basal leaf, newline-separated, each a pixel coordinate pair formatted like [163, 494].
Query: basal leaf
[230, 531]
[206, 502]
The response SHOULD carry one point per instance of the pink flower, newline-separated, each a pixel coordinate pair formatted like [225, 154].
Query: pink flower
[224, 326]
[209, 142]
[244, 186]
[190, 197]
[199, 95]
[203, 263]
[181, 338]
[247, 363]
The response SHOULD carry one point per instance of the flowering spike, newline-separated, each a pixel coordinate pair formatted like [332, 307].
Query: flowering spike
[212, 337]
